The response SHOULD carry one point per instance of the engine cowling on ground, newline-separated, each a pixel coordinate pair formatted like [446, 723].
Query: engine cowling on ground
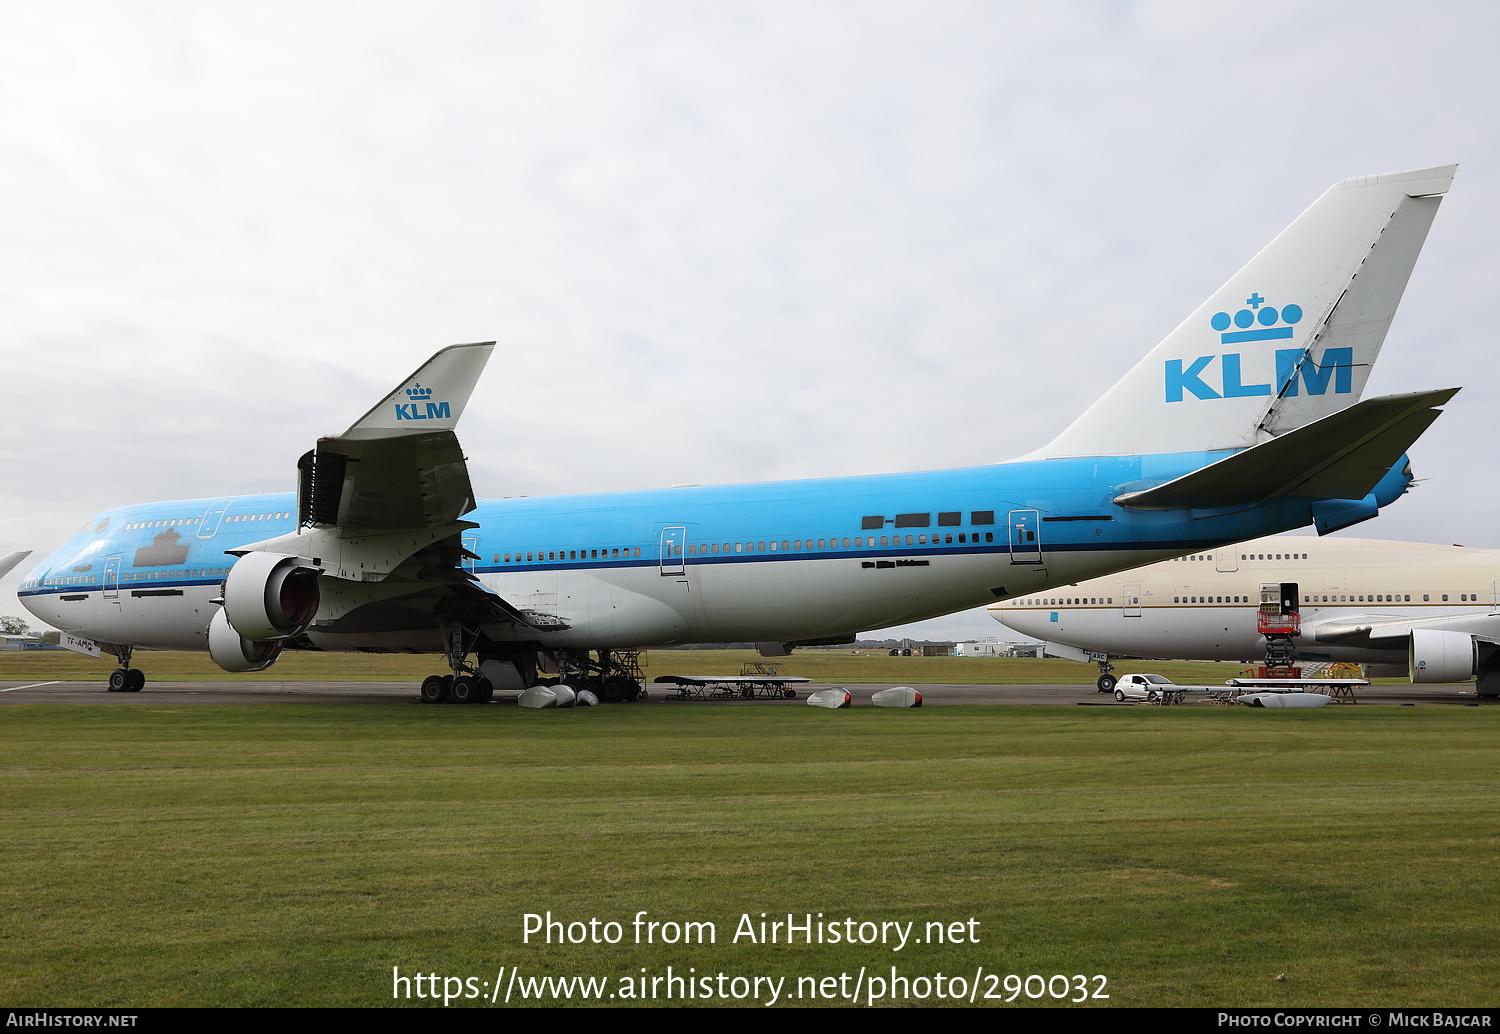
[270, 596]
[1440, 656]
[233, 652]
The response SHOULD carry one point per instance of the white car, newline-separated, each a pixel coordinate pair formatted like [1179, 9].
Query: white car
[1146, 687]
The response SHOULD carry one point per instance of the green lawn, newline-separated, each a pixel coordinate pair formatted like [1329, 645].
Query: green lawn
[819, 665]
[292, 855]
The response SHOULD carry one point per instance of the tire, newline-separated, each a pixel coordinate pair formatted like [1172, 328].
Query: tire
[486, 691]
[119, 681]
[632, 689]
[137, 681]
[465, 690]
[1152, 695]
[1107, 683]
[615, 689]
[1120, 695]
[435, 689]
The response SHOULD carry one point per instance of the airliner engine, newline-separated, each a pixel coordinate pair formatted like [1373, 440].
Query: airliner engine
[270, 596]
[1440, 656]
[233, 652]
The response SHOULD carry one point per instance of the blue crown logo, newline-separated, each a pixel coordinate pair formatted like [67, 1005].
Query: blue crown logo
[1258, 313]
[417, 393]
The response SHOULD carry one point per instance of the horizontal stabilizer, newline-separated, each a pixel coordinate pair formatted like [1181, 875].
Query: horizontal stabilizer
[1342, 456]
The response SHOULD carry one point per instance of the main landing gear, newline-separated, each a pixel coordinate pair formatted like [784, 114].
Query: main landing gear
[126, 679]
[465, 685]
[614, 678]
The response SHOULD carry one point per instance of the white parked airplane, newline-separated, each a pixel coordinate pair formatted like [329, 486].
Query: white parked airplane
[1245, 420]
[1400, 606]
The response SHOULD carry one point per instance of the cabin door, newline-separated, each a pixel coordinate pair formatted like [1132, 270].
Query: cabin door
[1130, 600]
[1025, 537]
[673, 542]
[211, 518]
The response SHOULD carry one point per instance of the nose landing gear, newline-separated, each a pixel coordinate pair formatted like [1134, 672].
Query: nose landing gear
[126, 679]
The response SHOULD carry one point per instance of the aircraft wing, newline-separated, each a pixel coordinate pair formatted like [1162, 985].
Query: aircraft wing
[382, 503]
[1367, 629]
[9, 561]
[399, 465]
[737, 680]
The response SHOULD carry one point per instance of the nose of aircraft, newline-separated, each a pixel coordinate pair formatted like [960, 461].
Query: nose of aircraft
[1027, 622]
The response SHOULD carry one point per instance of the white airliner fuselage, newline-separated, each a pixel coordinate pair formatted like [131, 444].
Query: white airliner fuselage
[1361, 601]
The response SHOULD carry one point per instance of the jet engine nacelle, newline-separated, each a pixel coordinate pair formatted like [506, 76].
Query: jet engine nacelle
[1439, 656]
[270, 596]
[233, 652]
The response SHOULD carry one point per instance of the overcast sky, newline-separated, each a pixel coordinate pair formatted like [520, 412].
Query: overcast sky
[715, 242]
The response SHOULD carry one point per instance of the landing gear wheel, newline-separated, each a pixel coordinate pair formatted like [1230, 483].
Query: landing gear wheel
[632, 689]
[435, 689]
[135, 680]
[119, 681]
[1119, 696]
[465, 690]
[615, 689]
[790, 694]
[486, 691]
[1107, 683]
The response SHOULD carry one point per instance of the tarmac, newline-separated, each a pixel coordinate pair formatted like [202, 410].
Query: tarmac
[401, 693]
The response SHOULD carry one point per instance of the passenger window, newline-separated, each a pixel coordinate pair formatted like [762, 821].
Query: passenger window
[846, 543]
[884, 541]
[962, 540]
[773, 545]
[908, 540]
[989, 536]
[822, 543]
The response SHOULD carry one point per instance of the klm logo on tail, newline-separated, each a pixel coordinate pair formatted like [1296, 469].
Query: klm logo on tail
[413, 410]
[1261, 322]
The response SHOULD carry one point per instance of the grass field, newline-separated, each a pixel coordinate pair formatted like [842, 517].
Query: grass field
[821, 666]
[292, 855]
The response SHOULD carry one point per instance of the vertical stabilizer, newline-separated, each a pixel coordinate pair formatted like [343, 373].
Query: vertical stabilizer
[1289, 339]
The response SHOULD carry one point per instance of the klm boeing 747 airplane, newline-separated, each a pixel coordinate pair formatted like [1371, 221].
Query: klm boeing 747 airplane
[1245, 420]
